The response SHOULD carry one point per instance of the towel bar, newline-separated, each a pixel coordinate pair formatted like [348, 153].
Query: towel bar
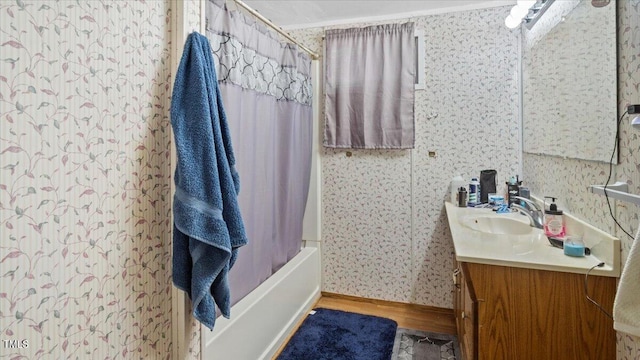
[619, 190]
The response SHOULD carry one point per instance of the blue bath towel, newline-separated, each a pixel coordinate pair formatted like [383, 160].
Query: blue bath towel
[208, 227]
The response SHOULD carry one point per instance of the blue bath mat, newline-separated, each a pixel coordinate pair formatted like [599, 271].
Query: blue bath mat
[339, 335]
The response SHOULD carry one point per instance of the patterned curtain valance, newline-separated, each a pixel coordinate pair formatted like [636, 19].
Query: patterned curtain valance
[249, 55]
[243, 66]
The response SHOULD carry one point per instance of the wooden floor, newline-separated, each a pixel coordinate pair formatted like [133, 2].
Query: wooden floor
[408, 316]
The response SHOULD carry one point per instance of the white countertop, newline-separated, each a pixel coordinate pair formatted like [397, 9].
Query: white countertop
[532, 251]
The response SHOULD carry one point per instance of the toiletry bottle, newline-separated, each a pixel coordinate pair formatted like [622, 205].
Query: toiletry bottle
[513, 189]
[456, 183]
[474, 192]
[462, 196]
[553, 220]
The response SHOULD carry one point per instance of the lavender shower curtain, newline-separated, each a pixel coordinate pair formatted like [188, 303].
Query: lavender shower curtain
[266, 90]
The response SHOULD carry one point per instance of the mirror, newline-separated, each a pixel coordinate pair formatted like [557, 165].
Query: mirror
[569, 81]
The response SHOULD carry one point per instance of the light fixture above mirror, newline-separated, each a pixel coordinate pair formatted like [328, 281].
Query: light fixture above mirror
[527, 12]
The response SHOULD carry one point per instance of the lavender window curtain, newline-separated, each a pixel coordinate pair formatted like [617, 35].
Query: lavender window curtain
[266, 90]
[369, 87]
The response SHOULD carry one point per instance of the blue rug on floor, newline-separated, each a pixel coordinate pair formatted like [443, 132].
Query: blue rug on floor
[339, 335]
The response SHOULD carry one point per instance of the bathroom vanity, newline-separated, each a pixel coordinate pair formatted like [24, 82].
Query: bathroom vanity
[517, 297]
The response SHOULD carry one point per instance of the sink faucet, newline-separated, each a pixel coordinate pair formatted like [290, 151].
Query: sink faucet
[531, 210]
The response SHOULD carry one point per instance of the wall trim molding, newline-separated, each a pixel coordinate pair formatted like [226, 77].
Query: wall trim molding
[398, 304]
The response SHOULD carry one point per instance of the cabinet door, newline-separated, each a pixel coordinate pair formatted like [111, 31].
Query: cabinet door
[457, 299]
[528, 314]
[465, 309]
[469, 334]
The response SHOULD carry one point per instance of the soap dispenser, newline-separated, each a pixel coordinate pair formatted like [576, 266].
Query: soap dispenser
[553, 220]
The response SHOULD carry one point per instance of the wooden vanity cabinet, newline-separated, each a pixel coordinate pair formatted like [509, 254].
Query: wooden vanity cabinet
[525, 314]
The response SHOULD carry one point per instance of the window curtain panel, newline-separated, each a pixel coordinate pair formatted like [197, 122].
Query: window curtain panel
[369, 87]
[267, 91]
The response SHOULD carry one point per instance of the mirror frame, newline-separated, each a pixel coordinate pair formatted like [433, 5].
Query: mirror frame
[542, 133]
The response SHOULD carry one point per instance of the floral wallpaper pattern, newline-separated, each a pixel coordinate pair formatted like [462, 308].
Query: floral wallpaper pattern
[85, 179]
[471, 66]
[385, 233]
[569, 178]
[85, 182]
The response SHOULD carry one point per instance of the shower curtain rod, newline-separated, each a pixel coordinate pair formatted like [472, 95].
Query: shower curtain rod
[275, 27]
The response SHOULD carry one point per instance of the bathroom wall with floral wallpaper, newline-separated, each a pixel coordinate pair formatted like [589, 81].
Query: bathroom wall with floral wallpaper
[384, 229]
[192, 348]
[85, 179]
[570, 178]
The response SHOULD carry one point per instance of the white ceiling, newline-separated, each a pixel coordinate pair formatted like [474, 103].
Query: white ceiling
[291, 14]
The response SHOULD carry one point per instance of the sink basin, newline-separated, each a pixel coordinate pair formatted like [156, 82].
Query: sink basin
[484, 237]
[497, 225]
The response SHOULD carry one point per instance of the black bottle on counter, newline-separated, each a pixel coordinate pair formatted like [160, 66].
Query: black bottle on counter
[462, 197]
[513, 190]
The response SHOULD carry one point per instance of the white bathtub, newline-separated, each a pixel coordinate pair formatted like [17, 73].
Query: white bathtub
[261, 322]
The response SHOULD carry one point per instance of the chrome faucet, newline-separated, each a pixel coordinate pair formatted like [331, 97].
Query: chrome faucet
[532, 210]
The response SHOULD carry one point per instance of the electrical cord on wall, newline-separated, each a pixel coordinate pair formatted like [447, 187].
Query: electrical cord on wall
[586, 290]
[615, 146]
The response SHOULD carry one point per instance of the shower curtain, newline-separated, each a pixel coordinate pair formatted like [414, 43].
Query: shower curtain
[266, 90]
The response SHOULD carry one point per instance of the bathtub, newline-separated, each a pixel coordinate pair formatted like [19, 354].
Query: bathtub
[262, 320]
